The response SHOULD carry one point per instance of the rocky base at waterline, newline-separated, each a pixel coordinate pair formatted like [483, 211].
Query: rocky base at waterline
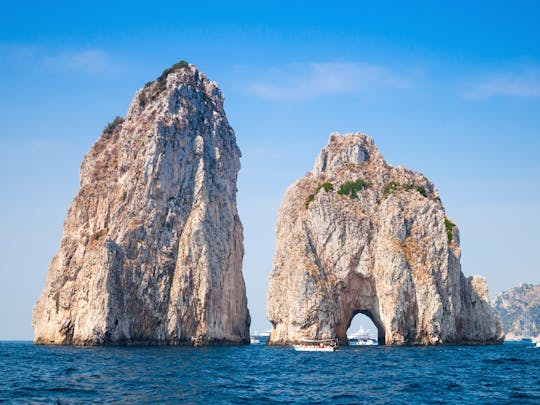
[152, 246]
[357, 235]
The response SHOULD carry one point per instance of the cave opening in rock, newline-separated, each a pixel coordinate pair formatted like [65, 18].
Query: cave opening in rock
[364, 330]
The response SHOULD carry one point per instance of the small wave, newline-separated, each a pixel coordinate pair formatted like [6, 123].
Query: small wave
[505, 360]
[523, 395]
[270, 375]
[337, 397]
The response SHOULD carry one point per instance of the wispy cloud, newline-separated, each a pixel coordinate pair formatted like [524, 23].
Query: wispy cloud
[525, 84]
[86, 61]
[92, 61]
[310, 80]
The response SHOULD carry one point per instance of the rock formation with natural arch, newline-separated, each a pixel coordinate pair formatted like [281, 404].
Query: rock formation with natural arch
[357, 235]
[152, 246]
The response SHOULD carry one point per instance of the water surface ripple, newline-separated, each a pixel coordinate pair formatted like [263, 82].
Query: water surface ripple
[257, 374]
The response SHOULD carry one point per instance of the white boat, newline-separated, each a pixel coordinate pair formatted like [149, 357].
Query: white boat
[365, 342]
[362, 337]
[254, 341]
[328, 345]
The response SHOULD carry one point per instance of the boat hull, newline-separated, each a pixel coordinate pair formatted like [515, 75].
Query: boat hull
[302, 348]
[365, 343]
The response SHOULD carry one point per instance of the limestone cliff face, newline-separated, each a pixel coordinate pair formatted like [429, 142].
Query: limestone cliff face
[152, 245]
[357, 235]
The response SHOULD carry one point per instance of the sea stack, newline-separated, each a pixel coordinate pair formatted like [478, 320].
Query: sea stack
[357, 235]
[152, 247]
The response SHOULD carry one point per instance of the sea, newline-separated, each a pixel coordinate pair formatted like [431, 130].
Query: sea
[259, 374]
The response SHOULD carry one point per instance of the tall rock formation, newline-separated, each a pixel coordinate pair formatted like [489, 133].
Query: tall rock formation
[152, 246]
[519, 309]
[357, 235]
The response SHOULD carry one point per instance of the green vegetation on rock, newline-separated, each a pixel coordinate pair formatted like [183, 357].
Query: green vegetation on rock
[391, 187]
[351, 188]
[310, 199]
[421, 190]
[161, 83]
[394, 186]
[111, 126]
[162, 79]
[449, 225]
[327, 187]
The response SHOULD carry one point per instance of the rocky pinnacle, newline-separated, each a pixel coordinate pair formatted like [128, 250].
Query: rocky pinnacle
[357, 235]
[152, 247]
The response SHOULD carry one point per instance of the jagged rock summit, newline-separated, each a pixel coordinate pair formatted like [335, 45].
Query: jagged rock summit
[152, 246]
[357, 235]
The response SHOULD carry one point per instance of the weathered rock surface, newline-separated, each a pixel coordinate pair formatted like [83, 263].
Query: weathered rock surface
[152, 246]
[357, 235]
[519, 310]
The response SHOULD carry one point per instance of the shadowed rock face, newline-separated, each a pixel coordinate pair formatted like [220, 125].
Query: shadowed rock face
[357, 235]
[152, 246]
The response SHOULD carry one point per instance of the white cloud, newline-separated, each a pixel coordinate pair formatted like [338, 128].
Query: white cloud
[92, 61]
[88, 61]
[510, 84]
[310, 80]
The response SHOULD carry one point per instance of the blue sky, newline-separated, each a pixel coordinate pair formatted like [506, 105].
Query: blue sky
[449, 89]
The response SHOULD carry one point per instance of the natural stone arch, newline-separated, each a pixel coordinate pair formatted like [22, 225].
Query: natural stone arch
[357, 235]
[381, 335]
[357, 294]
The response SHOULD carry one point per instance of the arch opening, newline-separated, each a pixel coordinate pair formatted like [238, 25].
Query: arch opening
[364, 330]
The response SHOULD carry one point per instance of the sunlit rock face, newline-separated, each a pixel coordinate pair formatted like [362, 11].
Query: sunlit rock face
[152, 246]
[357, 235]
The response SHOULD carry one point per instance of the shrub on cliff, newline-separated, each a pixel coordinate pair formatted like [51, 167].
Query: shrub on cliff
[394, 186]
[351, 188]
[111, 126]
[326, 186]
[449, 225]
[162, 79]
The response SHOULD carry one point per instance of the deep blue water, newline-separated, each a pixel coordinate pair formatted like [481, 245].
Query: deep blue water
[258, 374]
